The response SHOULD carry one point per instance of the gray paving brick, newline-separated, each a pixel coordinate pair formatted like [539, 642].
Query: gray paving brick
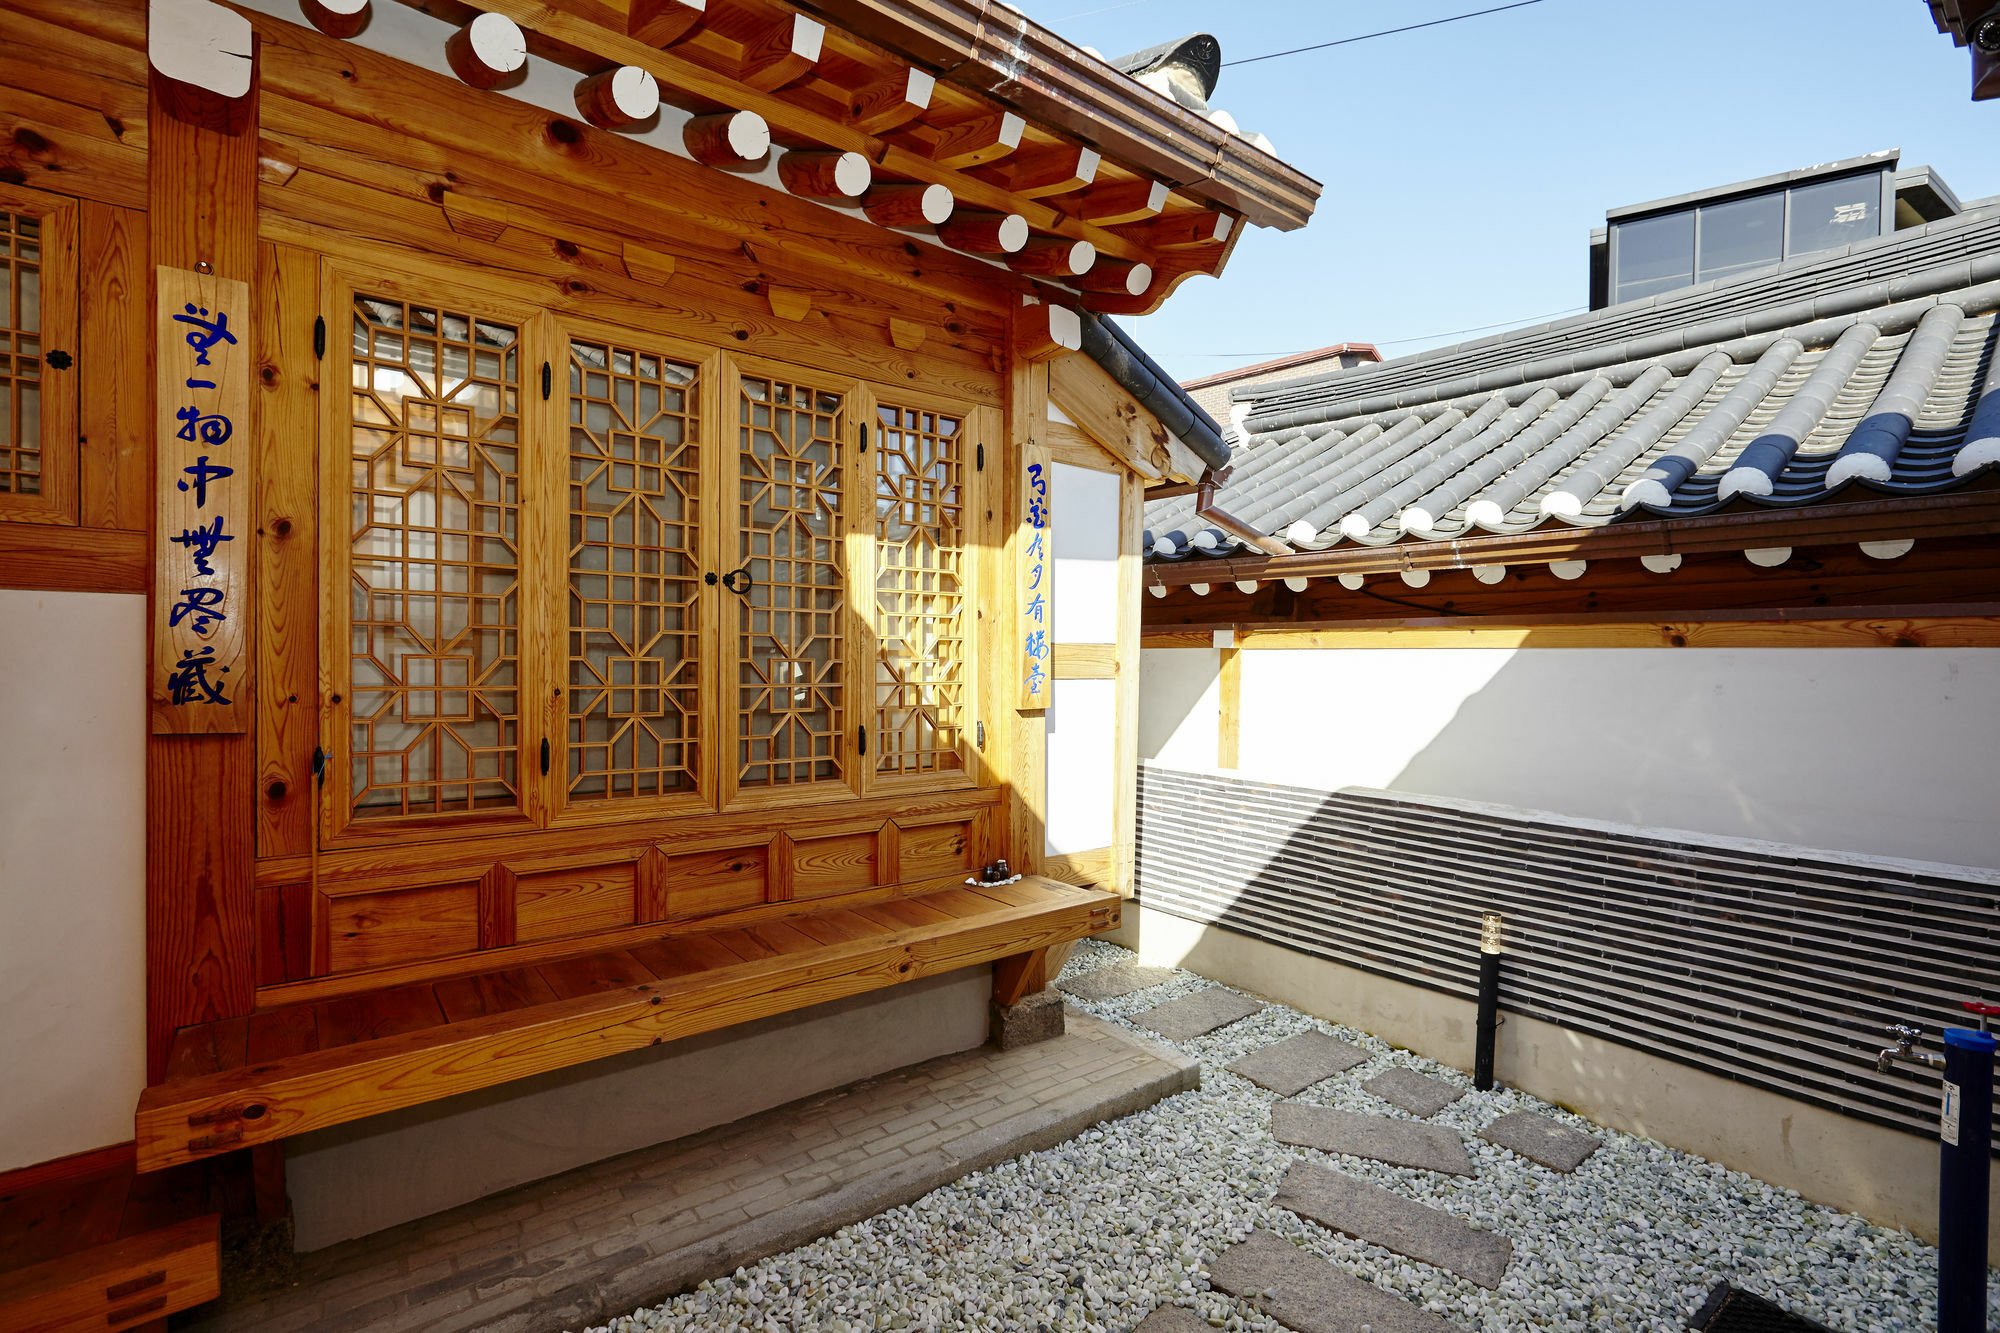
[1291, 1066]
[1108, 983]
[1419, 1094]
[1540, 1139]
[590, 1245]
[1310, 1294]
[1397, 1142]
[1195, 1015]
[1404, 1226]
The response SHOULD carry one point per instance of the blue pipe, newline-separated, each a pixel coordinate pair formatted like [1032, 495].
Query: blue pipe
[1965, 1167]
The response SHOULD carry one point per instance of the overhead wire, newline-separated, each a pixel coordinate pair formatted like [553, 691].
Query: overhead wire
[1386, 32]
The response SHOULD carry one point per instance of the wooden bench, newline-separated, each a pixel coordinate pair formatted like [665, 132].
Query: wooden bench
[285, 1071]
[107, 1250]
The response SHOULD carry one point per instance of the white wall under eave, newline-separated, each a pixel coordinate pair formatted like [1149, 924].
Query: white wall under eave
[1886, 752]
[72, 871]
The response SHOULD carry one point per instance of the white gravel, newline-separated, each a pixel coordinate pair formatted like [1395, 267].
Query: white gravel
[1094, 1233]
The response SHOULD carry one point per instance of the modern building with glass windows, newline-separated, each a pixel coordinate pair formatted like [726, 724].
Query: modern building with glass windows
[1730, 230]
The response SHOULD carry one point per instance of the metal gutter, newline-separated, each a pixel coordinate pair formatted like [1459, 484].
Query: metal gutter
[1139, 375]
[991, 48]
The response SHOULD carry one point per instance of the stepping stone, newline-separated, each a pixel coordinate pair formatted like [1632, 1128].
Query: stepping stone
[1174, 1319]
[1540, 1139]
[1291, 1066]
[1193, 1015]
[1403, 1226]
[1397, 1142]
[1419, 1094]
[1312, 1295]
[1108, 983]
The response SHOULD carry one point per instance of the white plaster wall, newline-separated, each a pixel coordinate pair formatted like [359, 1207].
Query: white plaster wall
[1082, 755]
[1085, 542]
[72, 871]
[1180, 706]
[1886, 752]
[359, 1178]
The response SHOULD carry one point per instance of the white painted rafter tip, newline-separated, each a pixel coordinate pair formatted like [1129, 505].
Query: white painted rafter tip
[1489, 573]
[1246, 585]
[1767, 557]
[1352, 582]
[200, 43]
[1157, 589]
[1568, 569]
[1198, 589]
[1416, 578]
[1661, 564]
[1889, 550]
[1296, 583]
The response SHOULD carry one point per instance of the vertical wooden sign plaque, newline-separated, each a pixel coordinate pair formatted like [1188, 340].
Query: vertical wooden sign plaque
[1034, 572]
[203, 512]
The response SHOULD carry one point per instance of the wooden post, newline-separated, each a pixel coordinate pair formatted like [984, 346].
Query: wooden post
[200, 799]
[1027, 745]
[1229, 716]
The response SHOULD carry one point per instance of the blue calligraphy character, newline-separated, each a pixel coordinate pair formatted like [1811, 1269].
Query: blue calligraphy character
[206, 333]
[200, 607]
[1038, 514]
[1035, 607]
[1035, 579]
[201, 543]
[203, 473]
[1036, 480]
[188, 682]
[1035, 547]
[1037, 644]
[193, 383]
[215, 428]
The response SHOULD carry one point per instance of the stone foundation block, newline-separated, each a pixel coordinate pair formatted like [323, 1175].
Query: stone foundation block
[1038, 1017]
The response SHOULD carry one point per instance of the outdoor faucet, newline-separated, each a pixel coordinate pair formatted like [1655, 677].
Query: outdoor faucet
[1905, 1048]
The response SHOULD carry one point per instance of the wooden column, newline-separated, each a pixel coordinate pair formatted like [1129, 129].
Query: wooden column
[200, 799]
[1027, 772]
[1229, 717]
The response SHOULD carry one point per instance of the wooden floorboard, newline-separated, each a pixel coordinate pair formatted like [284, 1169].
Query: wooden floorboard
[418, 1043]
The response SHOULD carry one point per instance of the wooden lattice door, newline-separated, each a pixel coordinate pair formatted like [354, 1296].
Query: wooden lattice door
[788, 704]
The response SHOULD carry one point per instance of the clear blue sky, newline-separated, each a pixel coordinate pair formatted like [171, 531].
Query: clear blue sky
[1465, 165]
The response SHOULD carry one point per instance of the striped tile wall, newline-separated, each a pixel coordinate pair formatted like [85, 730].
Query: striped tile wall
[1756, 961]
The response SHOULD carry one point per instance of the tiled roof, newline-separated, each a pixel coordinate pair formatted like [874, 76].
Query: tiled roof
[1873, 368]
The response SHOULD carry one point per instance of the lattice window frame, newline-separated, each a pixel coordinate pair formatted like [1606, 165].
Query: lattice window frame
[846, 550]
[961, 712]
[53, 462]
[340, 823]
[708, 407]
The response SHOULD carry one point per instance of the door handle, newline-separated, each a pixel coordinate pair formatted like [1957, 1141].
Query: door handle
[738, 582]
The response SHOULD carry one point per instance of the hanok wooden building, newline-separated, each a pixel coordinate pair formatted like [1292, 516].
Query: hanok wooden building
[532, 530]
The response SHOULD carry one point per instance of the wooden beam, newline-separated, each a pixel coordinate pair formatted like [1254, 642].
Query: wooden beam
[336, 18]
[974, 142]
[60, 558]
[1085, 661]
[487, 52]
[892, 103]
[200, 801]
[1040, 172]
[1857, 631]
[1118, 275]
[1020, 975]
[727, 138]
[1054, 256]
[1229, 717]
[115, 1285]
[782, 55]
[906, 206]
[978, 232]
[1102, 408]
[1045, 331]
[614, 98]
[1027, 773]
[1119, 202]
[661, 23]
[1182, 231]
[819, 174]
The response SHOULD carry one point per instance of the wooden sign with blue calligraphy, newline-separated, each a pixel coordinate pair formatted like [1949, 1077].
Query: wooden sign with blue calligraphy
[1035, 567]
[205, 513]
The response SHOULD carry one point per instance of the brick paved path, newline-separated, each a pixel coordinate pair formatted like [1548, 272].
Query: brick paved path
[601, 1240]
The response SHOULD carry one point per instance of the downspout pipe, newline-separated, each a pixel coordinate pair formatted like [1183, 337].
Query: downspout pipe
[1139, 375]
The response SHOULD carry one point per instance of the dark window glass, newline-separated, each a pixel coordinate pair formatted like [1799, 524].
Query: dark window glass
[1654, 255]
[1741, 235]
[1836, 212]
